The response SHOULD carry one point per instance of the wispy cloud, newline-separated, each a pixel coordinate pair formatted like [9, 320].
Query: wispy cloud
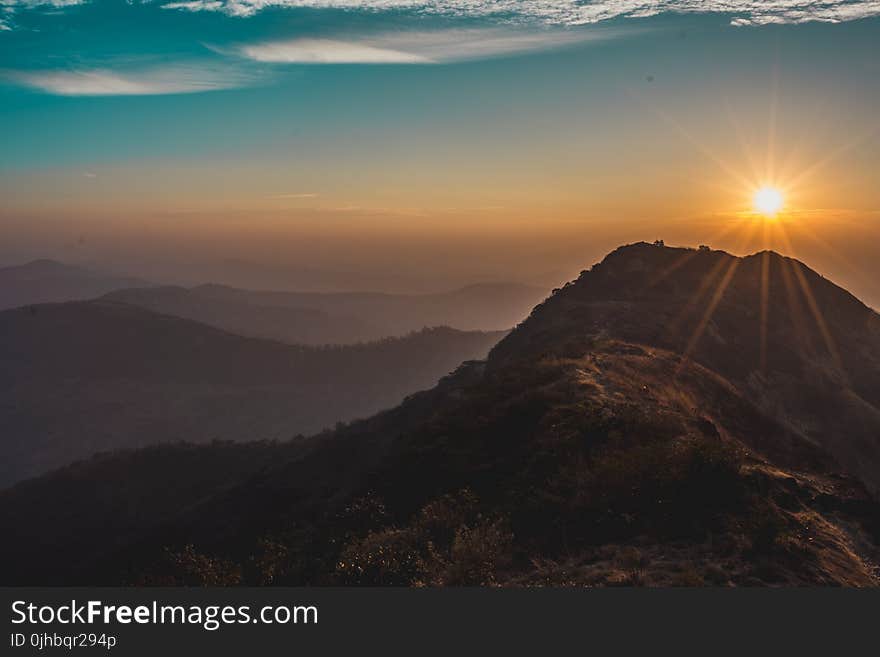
[556, 12]
[572, 12]
[297, 195]
[6, 13]
[328, 51]
[202, 5]
[9, 7]
[31, 4]
[152, 82]
[413, 47]
[552, 12]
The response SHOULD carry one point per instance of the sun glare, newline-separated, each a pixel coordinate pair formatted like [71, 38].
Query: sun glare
[768, 201]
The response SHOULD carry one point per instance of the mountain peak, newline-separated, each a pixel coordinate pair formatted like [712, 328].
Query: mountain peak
[766, 323]
[43, 266]
[44, 263]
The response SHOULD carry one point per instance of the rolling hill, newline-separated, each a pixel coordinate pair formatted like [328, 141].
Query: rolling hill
[46, 281]
[338, 318]
[672, 417]
[83, 377]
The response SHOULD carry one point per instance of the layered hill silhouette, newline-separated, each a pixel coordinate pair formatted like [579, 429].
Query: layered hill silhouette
[672, 417]
[338, 318]
[84, 377]
[46, 281]
[310, 318]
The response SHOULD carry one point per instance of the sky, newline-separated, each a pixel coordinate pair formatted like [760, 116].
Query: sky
[412, 145]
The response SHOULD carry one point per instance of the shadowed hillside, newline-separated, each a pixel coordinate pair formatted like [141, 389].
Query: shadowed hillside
[649, 424]
[84, 377]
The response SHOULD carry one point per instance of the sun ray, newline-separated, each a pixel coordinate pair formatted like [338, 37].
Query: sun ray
[771, 192]
[746, 235]
[707, 315]
[835, 255]
[678, 264]
[749, 156]
[815, 311]
[676, 324]
[693, 141]
[687, 257]
[769, 164]
[765, 309]
[809, 170]
[821, 324]
[795, 308]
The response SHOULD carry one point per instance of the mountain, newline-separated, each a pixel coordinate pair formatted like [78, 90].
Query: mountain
[804, 351]
[237, 314]
[44, 281]
[338, 318]
[84, 377]
[484, 306]
[672, 417]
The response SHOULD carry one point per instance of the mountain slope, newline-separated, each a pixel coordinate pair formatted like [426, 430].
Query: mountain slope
[810, 359]
[599, 444]
[83, 377]
[44, 281]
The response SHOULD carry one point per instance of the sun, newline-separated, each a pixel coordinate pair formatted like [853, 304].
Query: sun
[768, 201]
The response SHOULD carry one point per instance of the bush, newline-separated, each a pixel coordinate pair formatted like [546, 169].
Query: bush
[476, 555]
[271, 562]
[391, 557]
[631, 560]
[448, 542]
[192, 568]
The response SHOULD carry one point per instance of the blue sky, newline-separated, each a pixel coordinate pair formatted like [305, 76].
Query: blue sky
[77, 76]
[278, 130]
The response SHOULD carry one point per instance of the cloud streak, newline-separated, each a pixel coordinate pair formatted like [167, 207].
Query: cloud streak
[152, 82]
[9, 7]
[570, 12]
[327, 51]
[553, 12]
[435, 47]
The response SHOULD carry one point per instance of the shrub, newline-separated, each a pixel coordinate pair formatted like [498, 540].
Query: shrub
[633, 562]
[447, 542]
[271, 562]
[476, 555]
[192, 568]
[390, 557]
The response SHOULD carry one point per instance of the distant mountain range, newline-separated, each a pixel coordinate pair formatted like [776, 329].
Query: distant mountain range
[339, 318]
[83, 377]
[45, 281]
[671, 417]
[295, 317]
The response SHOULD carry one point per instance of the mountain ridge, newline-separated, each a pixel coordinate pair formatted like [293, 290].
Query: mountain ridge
[47, 281]
[599, 444]
[85, 376]
[336, 318]
[714, 317]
